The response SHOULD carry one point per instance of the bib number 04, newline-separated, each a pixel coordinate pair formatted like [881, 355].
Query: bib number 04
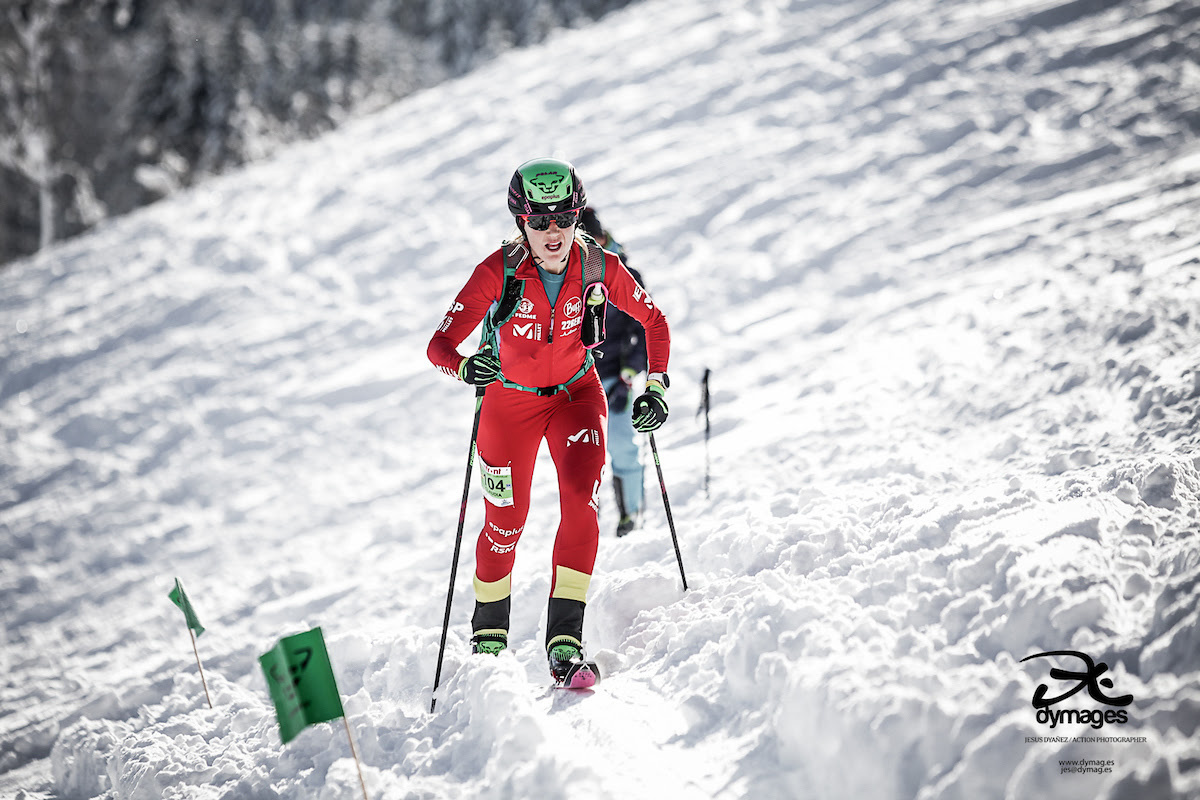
[497, 484]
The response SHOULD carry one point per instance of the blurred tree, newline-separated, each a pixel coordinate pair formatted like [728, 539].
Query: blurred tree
[106, 105]
[26, 83]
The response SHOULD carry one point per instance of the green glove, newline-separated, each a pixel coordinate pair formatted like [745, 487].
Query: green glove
[479, 369]
[650, 408]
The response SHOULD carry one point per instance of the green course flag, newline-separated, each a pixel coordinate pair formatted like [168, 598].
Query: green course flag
[180, 598]
[301, 682]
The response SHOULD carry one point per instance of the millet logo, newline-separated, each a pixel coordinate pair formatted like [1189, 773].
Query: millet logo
[1089, 679]
[585, 436]
[529, 330]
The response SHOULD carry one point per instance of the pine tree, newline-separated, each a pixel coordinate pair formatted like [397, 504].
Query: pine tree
[29, 138]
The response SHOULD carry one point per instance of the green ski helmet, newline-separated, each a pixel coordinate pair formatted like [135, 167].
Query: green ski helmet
[545, 186]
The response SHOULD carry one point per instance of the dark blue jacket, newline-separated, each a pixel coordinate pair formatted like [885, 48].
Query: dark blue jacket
[624, 346]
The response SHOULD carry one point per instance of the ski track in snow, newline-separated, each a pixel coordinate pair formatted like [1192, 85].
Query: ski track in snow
[943, 261]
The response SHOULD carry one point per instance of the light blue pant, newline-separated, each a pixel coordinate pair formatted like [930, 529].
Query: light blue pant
[623, 451]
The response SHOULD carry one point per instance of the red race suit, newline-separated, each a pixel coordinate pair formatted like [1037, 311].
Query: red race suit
[540, 348]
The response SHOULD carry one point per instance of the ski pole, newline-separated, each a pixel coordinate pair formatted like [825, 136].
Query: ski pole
[667, 505]
[462, 517]
[704, 405]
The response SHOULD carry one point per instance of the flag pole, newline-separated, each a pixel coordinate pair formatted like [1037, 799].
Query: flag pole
[354, 753]
[203, 682]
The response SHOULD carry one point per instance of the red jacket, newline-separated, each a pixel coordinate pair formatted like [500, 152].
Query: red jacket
[540, 345]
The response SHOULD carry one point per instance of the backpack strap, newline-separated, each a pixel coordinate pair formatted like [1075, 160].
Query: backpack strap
[593, 262]
[510, 295]
[595, 294]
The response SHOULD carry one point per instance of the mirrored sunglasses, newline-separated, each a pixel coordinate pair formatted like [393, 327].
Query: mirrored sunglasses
[541, 222]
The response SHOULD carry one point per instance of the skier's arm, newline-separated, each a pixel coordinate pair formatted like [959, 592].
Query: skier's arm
[632, 298]
[464, 314]
[633, 340]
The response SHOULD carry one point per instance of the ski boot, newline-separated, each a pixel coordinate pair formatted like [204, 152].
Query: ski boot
[489, 624]
[568, 667]
[627, 520]
[492, 643]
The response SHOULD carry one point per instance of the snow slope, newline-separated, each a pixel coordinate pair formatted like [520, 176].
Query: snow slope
[943, 259]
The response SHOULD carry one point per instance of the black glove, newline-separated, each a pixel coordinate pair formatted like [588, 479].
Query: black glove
[480, 369]
[650, 408]
[618, 398]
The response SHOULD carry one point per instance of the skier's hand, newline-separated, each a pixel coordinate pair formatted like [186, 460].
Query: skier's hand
[650, 408]
[618, 398]
[479, 369]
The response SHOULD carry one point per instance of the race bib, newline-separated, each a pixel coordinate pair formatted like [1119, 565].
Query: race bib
[497, 484]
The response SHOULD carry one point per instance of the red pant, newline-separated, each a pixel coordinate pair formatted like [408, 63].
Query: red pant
[512, 425]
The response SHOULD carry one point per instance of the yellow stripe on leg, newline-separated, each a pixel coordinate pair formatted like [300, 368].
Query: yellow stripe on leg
[491, 592]
[491, 632]
[570, 584]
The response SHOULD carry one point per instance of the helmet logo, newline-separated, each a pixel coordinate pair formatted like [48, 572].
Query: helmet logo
[548, 184]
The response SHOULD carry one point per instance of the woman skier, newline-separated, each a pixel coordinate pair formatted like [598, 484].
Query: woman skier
[543, 293]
